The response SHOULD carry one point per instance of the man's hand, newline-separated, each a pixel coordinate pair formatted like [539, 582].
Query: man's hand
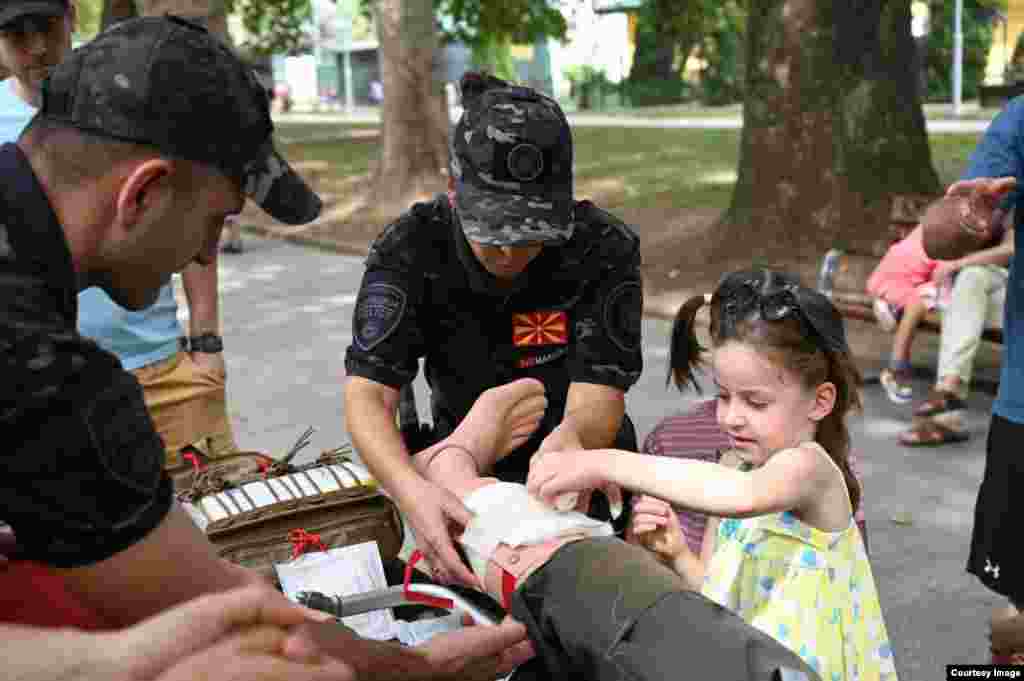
[477, 653]
[212, 362]
[980, 212]
[255, 655]
[199, 626]
[436, 515]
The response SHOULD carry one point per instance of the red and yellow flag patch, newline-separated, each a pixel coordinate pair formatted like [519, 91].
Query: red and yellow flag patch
[540, 328]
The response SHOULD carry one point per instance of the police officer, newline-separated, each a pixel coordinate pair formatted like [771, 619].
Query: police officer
[505, 277]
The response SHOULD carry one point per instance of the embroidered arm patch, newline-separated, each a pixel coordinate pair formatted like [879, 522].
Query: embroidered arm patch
[622, 315]
[379, 311]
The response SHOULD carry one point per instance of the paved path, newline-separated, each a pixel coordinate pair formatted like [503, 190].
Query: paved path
[287, 321]
[364, 116]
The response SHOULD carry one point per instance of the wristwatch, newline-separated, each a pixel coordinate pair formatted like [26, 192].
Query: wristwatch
[208, 342]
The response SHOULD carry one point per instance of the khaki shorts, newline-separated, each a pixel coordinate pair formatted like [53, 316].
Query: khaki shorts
[188, 405]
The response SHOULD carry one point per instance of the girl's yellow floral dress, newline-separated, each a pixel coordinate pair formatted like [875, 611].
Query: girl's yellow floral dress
[810, 589]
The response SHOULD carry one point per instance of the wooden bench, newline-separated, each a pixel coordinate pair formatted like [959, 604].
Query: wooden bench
[843, 275]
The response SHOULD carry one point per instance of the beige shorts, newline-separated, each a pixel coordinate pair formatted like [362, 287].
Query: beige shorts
[188, 405]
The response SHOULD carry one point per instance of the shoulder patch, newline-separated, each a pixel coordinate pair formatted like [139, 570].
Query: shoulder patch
[379, 311]
[623, 314]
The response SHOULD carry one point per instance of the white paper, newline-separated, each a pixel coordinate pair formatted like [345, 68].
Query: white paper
[343, 571]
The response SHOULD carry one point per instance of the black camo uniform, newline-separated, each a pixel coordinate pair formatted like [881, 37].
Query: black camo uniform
[81, 470]
[574, 315]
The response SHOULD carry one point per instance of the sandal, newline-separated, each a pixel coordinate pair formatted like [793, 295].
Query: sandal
[938, 403]
[929, 433]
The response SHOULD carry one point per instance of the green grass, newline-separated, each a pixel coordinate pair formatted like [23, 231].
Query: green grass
[633, 168]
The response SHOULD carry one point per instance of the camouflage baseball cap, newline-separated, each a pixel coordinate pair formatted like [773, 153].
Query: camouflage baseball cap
[11, 10]
[511, 158]
[167, 83]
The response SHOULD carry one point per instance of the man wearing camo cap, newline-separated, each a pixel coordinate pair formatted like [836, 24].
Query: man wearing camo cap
[146, 138]
[506, 277]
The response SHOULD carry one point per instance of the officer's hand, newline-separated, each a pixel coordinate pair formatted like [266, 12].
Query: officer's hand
[436, 515]
[158, 643]
[255, 655]
[476, 653]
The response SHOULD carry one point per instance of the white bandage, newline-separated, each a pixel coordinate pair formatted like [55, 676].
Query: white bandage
[505, 513]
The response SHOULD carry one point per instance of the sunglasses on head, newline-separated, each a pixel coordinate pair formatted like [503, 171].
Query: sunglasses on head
[777, 301]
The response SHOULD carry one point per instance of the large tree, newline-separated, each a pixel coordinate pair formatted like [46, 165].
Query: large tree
[833, 128]
[414, 114]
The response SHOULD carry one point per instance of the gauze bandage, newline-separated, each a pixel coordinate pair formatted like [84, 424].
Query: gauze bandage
[505, 513]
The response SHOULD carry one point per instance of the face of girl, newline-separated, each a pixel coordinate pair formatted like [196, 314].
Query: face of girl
[762, 406]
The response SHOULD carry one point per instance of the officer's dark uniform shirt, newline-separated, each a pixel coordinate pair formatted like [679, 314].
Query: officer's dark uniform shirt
[81, 468]
[573, 316]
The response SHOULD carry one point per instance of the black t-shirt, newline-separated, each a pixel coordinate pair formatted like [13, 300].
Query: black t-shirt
[81, 466]
[574, 315]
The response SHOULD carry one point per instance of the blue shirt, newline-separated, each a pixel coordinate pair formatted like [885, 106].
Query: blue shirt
[15, 113]
[1000, 153]
[137, 338]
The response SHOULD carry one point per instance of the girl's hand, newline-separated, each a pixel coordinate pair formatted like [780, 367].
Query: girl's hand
[655, 526]
[552, 473]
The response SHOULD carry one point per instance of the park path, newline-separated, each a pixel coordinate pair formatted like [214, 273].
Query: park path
[365, 116]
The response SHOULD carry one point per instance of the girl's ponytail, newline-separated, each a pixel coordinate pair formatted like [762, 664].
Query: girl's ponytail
[685, 353]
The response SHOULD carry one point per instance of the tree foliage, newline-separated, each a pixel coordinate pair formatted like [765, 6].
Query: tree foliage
[668, 32]
[938, 58]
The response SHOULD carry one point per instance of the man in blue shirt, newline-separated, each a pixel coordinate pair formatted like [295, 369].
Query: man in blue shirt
[183, 382]
[967, 219]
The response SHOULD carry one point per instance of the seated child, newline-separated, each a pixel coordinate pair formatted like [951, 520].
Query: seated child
[787, 555]
[905, 288]
[595, 607]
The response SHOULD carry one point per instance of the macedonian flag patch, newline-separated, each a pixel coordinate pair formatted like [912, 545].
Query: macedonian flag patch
[540, 328]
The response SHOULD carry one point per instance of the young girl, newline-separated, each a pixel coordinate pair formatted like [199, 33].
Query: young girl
[906, 285]
[787, 555]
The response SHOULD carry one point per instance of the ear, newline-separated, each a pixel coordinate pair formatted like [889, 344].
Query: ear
[141, 191]
[824, 401]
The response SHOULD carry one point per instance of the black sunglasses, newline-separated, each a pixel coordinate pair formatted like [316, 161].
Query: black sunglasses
[815, 313]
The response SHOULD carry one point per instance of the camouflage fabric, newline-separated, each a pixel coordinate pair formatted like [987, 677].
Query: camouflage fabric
[511, 159]
[81, 475]
[167, 83]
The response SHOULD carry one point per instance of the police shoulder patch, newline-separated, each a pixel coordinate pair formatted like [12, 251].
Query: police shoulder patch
[379, 310]
[622, 318]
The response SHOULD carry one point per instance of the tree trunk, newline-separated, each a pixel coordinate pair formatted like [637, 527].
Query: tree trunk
[833, 129]
[117, 10]
[414, 116]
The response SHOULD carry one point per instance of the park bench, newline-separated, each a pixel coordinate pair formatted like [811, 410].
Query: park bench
[843, 275]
